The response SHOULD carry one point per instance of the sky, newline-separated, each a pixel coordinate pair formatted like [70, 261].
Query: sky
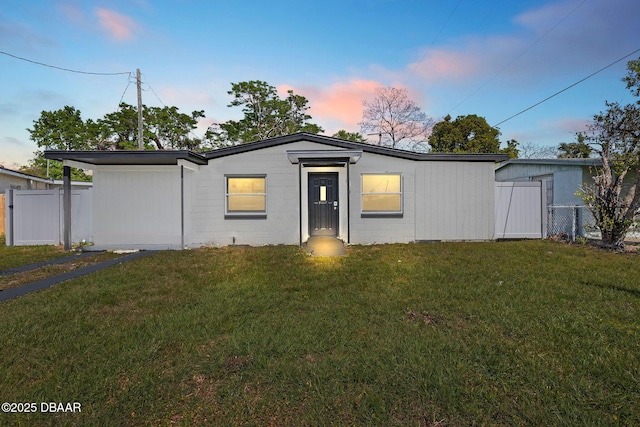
[493, 58]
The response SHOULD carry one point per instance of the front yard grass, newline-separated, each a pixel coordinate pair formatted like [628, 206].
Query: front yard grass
[14, 256]
[447, 334]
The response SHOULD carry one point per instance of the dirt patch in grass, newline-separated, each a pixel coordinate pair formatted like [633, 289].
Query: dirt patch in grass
[412, 316]
[19, 279]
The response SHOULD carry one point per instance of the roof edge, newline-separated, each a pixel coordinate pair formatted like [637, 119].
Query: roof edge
[127, 157]
[591, 161]
[340, 143]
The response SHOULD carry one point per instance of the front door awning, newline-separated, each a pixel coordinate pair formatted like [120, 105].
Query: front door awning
[324, 157]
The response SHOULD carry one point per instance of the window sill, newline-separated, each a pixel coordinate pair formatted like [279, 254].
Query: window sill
[246, 216]
[381, 214]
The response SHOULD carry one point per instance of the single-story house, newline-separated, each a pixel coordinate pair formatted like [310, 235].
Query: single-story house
[284, 190]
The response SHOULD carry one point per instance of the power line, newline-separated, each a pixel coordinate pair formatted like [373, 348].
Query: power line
[567, 88]
[424, 54]
[64, 69]
[190, 130]
[518, 56]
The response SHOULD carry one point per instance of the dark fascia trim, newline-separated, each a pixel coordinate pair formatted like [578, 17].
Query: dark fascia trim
[339, 143]
[127, 157]
[552, 162]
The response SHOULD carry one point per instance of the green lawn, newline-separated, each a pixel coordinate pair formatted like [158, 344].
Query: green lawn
[447, 334]
[15, 256]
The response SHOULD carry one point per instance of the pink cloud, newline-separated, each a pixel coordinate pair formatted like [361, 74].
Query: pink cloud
[118, 26]
[339, 104]
[436, 64]
[549, 40]
[570, 125]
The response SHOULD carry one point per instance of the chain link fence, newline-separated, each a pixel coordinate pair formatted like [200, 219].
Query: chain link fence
[571, 222]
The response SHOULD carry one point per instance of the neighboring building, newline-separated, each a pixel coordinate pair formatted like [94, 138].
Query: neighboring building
[563, 177]
[284, 190]
[566, 213]
[16, 180]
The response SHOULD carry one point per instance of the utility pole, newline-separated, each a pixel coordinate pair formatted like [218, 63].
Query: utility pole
[139, 84]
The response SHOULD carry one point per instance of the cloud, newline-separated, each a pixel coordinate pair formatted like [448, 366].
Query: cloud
[437, 63]
[339, 104]
[567, 125]
[73, 13]
[563, 37]
[184, 96]
[119, 27]
[22, 35]
[9, 140]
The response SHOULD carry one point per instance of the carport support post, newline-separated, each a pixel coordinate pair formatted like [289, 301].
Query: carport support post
[66, 201]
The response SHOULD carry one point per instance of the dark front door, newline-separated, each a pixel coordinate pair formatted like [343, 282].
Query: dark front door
[323, 204]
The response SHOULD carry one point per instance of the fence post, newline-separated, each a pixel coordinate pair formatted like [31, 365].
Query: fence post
[67, 207]
[574, 211]
[9, 220]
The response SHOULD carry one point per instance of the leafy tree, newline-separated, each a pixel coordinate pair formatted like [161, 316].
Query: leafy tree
[575, 150]
[62, 129]
[615, 136]
[119, 130]
[396, 119]
[466, 134]
[266, 115]
[511, 149]
[163, 128]
[168, 128]
[349, 136]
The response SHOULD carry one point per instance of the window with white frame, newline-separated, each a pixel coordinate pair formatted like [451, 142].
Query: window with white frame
[382, 194]
[246, 195]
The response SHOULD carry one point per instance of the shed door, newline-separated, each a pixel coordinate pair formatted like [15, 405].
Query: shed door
[323, 204]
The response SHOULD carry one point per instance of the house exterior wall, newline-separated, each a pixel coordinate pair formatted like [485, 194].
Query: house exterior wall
[441, 200]
[137, 206]
[177, 206]
[282, 222]
[456, 201]
[383, 229]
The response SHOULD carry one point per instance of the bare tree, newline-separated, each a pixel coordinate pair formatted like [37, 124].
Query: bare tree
[529, 150]
[396, 120]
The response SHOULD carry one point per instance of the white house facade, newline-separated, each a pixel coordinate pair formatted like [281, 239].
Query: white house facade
[284, 190]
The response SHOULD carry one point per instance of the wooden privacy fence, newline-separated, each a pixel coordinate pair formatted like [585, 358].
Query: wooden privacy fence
[3, 214]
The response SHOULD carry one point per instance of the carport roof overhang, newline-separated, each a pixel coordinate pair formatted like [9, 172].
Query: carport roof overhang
[145, 158]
